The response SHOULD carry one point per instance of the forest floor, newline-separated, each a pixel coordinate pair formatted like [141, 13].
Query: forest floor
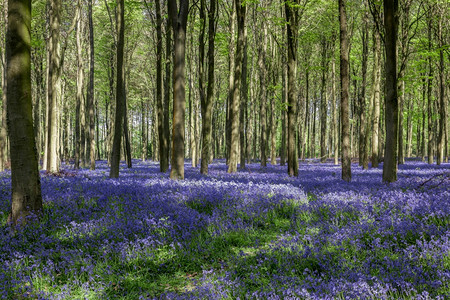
[255, 234]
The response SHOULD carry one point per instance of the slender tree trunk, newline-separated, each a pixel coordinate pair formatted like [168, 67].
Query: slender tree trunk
[3, 131]
[178, 16]
[90, 94]
[25, 183]
[243, 122]
[391, 99]
[54, 88]
[430, 98]
[292, 19]
[235, 102]
[334, 123]
[323, 101]
[167, 87]
[409, 127]
[120, 93]
[208, 104]
[273, 124]
[442, 102]
[345, 78]
[363, 155]
[231, 71]
[263, 95]
[376, 97]
[163, 161]
[283, 118]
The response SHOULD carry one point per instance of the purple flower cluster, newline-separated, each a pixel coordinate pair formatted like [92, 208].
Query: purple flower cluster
[362, 239]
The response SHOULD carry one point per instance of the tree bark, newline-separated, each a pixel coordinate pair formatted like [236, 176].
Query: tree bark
[363, 156]
[243, 121]
[25, 182]
[54, 88]
[178, 16]
[167, 86]
[323, 101]
[120, 93]
[391, 99]
[231, 69]
[207, 105]
[235, 101]
[345, 78]
[376, 97]
[90, 93]
[292, 19]
[263, 95]
[442, 102]
[334, 123]
[429, 96]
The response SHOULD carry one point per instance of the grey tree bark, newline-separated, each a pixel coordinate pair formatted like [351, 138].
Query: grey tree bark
[25, 182]
[345, 80]
[235, 102]
[178, 14]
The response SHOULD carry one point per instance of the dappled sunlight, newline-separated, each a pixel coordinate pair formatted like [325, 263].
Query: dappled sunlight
[256, 233]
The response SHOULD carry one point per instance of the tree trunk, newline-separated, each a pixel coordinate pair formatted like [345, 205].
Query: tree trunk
[3, 131]
[429, 97]
[323, 101]
[25, 182]
[243, 121]
[345, 78]
[263, 95]
[126, 131]
[208, 103]
[79, 95]
[54, 88]
[231, 70]
[167, 86]
[334, 124]
[376, 97]
[391, 99]
[235, 102]
[90, 94]
[363, 156]
[292, 19]
[273, 123]
[163, 162]
[442, 102]
[178, 16]
[120, 94]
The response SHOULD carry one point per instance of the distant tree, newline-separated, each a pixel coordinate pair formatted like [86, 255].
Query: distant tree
[120, 93]
[25, 182]
[391, 99]
[178, 13]
[345, 80]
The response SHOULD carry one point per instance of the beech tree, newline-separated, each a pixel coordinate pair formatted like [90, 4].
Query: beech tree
[345, 80]
[25, 182]
[235, 103]
[391, 100]
[207, 104]
[120, 93]
[178, 13]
